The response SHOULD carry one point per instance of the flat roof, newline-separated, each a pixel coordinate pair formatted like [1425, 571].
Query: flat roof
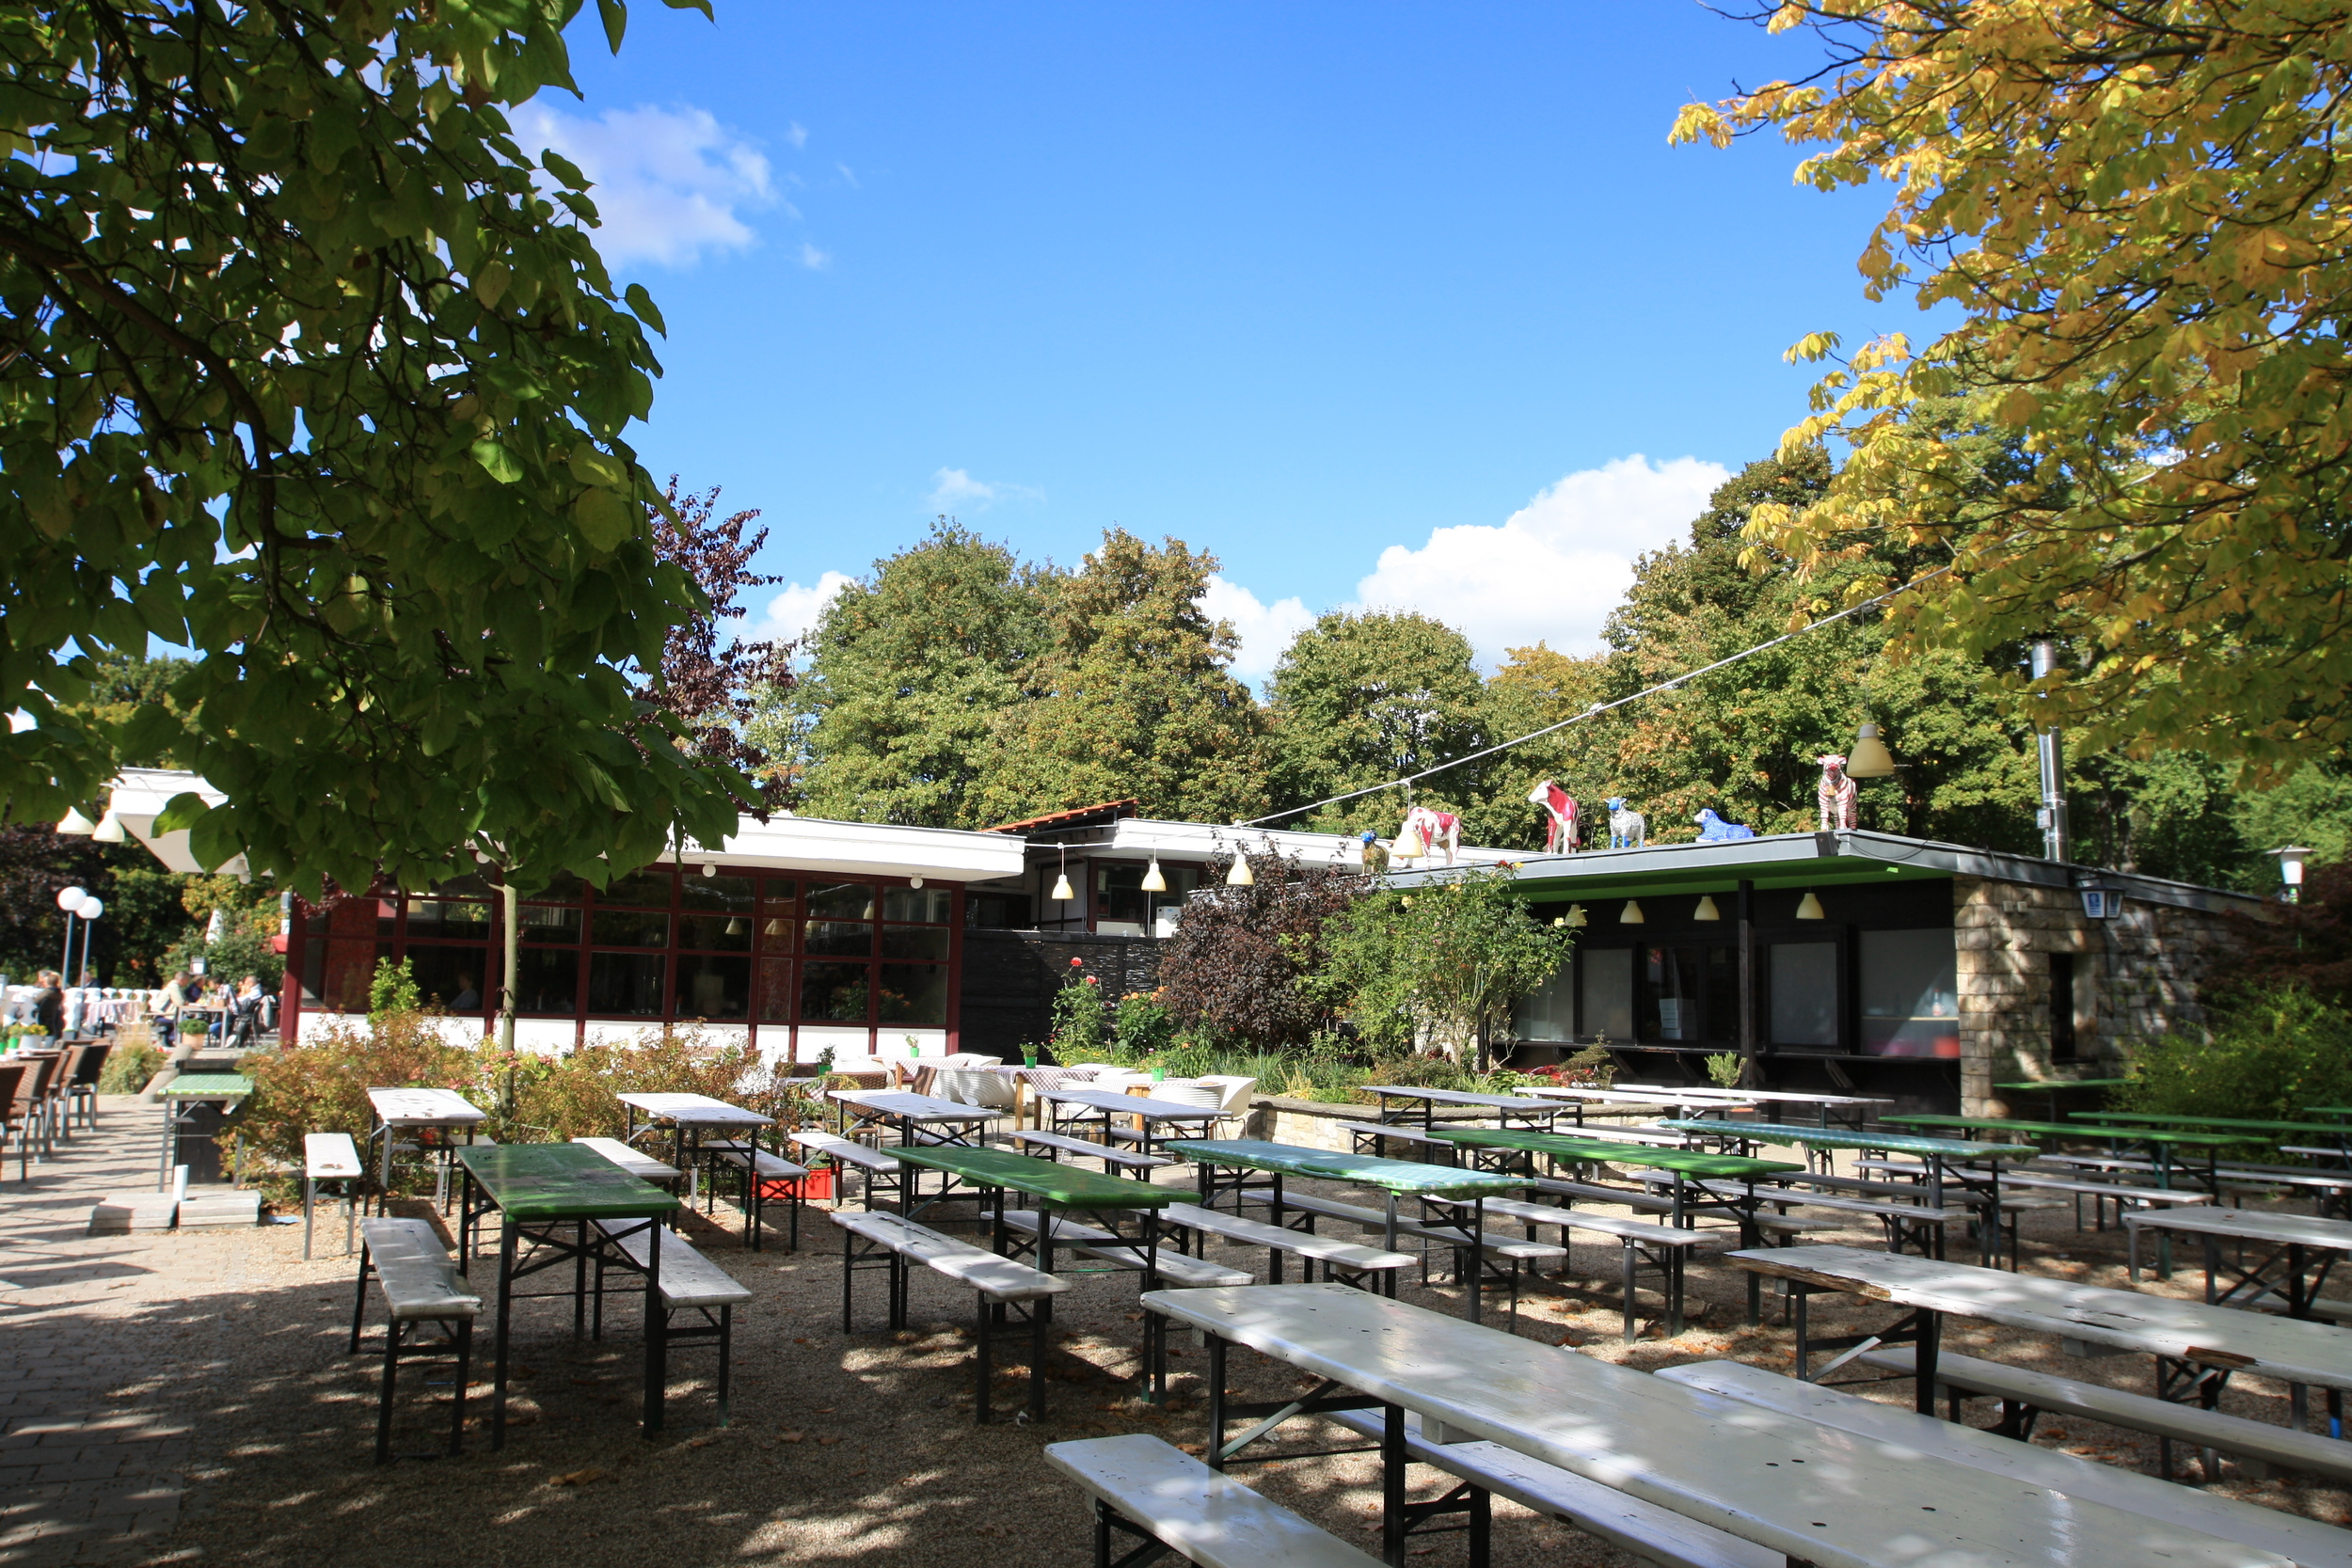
[1825, 860]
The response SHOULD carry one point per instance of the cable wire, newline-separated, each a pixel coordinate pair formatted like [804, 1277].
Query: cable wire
[1600, 709]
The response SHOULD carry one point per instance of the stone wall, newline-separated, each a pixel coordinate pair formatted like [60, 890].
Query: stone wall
[2135, 977]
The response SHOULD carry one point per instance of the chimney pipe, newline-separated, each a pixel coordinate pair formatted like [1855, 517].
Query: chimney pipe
[2051, 818]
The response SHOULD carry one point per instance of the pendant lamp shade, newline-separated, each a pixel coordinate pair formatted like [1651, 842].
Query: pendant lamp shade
[1631, 914]
[1408, 845]
[109, 829]
[1871, 758]
[1575, 917]
[1153, 880]
[1707, 910]
[1809, 906]
[1062, 893]
[75, 825]
[1240, 876]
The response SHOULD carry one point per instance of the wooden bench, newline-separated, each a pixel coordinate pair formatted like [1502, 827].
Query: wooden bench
[1114, 1159]
[1344, 1263]
[420, 1285]
[2305, 1542]
[1495, 1249]
[1644, 1530]
[875, 1170]
[1001, 1284]
[637, 1163]
[1178, 1270]
[755, 1168]
[2024, 1394]
[2098, 1192]
[689, 1283]
[1660, 1248]
[1140, 1487]
[331, 1157]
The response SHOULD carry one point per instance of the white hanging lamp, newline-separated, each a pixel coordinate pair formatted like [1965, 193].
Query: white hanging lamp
[1870, 759]
[1575, 919]
[1809, 906]
[1631, 914]
[1240, 875]
[1408, 845]
[1063, 892]
[1707, 910]
[1153, 880]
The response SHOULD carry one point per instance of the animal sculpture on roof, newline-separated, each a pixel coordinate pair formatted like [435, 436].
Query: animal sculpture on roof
[1714, 829]
[1559, 809]
[1627, 830]
[1841, 806]
[1424, 829]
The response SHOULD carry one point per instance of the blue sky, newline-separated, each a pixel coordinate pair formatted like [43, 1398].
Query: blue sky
[1404, 305]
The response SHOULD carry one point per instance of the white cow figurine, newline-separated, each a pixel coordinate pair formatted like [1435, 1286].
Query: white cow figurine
[1627, 830]
[1840, 804]
[1432, 828]
[1559, 809]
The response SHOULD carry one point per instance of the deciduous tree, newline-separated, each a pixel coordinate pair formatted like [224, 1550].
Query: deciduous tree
[1361, 699]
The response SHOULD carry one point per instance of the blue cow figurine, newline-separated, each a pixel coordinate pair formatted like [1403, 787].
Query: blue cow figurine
[1714, 829]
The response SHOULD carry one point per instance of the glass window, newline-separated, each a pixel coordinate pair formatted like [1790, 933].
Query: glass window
[834, 993]
[650, 887]
[430, 919]
[926, 905]
[561, 887]
[627, 984]
[1548, 1012]
[1669, 1003]
[915, 994]
[997, 911]
[841, 901]
[710, 986]
[1805, 992]
[631, 929]
[1722, 1019]
[775, 990]
[350, 965]
[451, 977]
[547, 980]
[779, 890]
[725, 933]
[465, 887]
[698, 891]
[898, 941]
[1608, 975]
[777, 933]
[847, 938]
[1910, 997]
[547, 923]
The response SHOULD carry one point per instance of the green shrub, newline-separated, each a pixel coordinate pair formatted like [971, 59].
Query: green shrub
[321, 1085]
[1078, 1018]
[129, 1066]
[1724, 1068]
[391, 990]
[1141, 1027]
[2273, 1053]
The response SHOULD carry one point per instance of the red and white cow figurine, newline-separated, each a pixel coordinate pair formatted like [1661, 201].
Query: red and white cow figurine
[1841, 806]
[1559, 809]
[1432, 828]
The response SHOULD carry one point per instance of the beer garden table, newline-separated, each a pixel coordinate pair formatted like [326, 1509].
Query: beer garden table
[550, 1197]
[182, 1094]
[2263, 1130]
[913, 1115]
[2050, 1086]
[444, 1109]
[1503, 1106]
[1103, 1104]
[1737, 1099]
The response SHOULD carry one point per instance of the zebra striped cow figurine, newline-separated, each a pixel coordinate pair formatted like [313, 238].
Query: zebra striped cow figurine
[1841, 805]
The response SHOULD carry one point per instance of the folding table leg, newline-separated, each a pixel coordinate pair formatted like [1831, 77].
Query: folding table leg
[465, 1372]
[309, 1196]
[384, 1401]
[1038, 1321]
[726, 1355]
[1627, 1249]
[982, 1370]
[359, 1301]
[1392, 1459]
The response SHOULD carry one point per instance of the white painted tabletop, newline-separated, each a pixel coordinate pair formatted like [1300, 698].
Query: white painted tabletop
[2255, 1342]
[1142, 1105]
[1458, 1097]
[1631, 1096]
[2302, 1229]
[1830, 1497]
[902, 1106]
[424, 1108]
[1798, 1096]
[693, 1110]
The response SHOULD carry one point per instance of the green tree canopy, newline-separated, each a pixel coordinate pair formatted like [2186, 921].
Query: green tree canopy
[314, 370]
[1134, 697]
[909, 671]
[1361, 699]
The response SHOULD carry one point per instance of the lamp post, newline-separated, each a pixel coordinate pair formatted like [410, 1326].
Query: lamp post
[2291, 859]
[90, 911]
[2053, 760]
[70, 900]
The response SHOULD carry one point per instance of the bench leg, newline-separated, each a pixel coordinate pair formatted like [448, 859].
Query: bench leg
[1627, 1249]
[465, 1373]
[726, 1355]
[384, 1401]
[1038, 1321]
[848, 1251]
[351, 1212]
[309, 1198]
[359, 1301]
[982, 1330]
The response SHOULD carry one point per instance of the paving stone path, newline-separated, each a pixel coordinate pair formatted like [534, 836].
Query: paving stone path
[96, 1429]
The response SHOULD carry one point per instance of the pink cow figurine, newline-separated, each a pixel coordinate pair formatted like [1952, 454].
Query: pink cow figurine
[1432, 828]
[1840, 804]
[1559, 809]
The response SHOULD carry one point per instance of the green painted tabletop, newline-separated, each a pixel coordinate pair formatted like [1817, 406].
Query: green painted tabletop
[2045, 1084]
[2251, 1123]
[207, 1085]
[1063, 1186]
[1833, 1138]
[1405, 1176]
[2328, 1110]
[1682, 1162]
[561, 1182]
[2078, 1129]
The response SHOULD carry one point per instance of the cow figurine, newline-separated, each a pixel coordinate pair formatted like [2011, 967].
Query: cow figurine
[1627, 830]
[1840, 804]
[1432, 828]
[1559, 809]
[1714, 829]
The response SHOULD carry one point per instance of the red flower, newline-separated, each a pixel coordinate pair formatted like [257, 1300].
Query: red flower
[1077, 963]
[1092, 981]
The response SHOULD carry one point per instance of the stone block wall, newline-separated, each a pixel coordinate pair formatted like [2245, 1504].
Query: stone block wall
[2136, 977]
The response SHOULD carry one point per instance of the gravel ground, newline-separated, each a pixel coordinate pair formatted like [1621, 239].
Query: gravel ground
[841, 1446]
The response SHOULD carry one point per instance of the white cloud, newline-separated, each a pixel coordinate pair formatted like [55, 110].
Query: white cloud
[814, 259]
[792, 615]
[956, 490]
[798, 135]
[1556, 567]
[669, 184]
[1265, 629]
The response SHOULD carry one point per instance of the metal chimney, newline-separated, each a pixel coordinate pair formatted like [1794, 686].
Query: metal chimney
[2051, 818]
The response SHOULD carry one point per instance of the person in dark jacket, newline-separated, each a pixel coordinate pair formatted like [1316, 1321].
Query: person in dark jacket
[49, 1006]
